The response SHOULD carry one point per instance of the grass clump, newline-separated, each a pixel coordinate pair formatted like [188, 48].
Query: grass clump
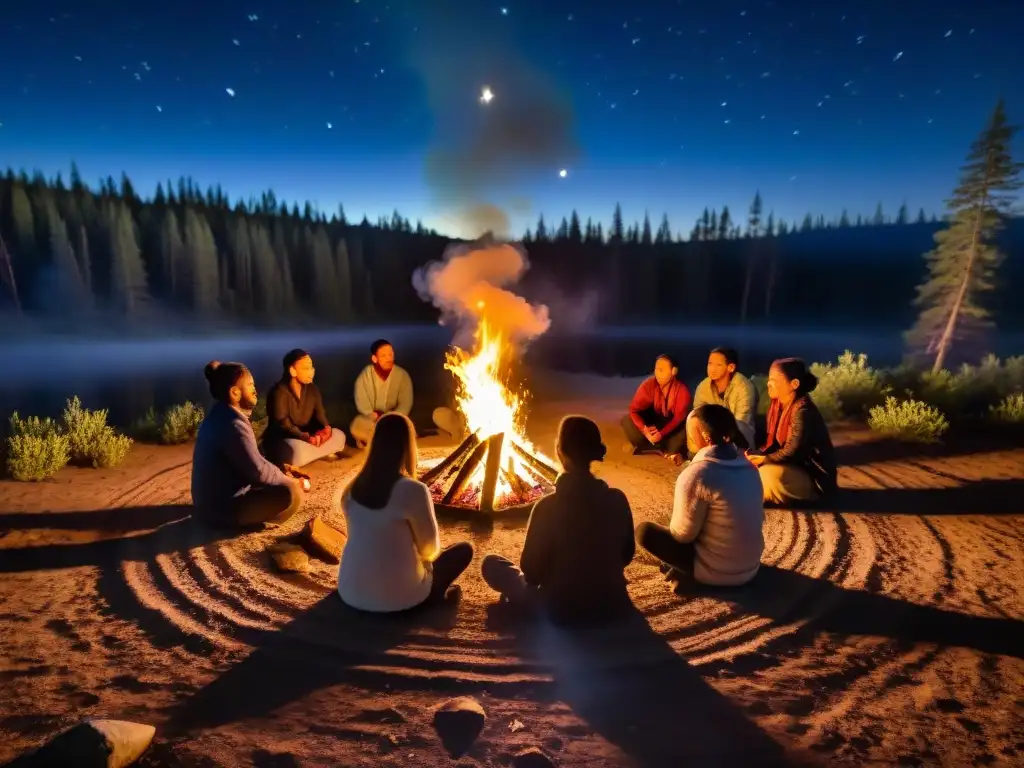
[1010, 411]
[37, 449]
[93, 442]
[847, 388]
[908, 420]
[178, 424]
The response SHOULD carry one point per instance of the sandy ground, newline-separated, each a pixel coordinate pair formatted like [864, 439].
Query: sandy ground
[888, 630]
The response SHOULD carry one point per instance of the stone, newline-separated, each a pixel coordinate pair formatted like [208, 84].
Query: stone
[459, 722]
[325, 541]
[532, 757]
[94, 744]
[290, 558]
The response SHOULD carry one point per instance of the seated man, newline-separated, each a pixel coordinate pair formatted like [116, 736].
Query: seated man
[727, 387]
[383, 387]
[656, 416]
[297, 430]
[714, 536]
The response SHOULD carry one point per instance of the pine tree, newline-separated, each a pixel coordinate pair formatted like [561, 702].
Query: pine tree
[199, 271]
[724, 223]
[646, 237]
[575, 233]
[172, 251]
[754, 216]
[129, 291]
[343, 271]
[69, 290]
[563, 230]
[879, 218]
[664, 235]
[962, 267]
[753, 232]
[266, 279]
[902, 216]
[705, 225]
[616, 235]
[807, 224]
[84, 261]
[542, 230]
[921, 218]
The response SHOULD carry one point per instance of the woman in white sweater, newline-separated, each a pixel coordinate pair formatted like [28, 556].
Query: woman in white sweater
[392, 560]
[715, 533]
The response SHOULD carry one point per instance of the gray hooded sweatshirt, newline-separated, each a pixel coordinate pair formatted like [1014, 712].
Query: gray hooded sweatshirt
[718, 506]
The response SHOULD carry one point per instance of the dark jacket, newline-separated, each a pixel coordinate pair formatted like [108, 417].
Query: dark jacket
[291, 418]
[226, 462]
[807, 445]
[579, 541]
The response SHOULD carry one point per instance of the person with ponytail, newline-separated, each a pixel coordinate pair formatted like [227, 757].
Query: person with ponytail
[714, 535]
[578, 542]
[797, 462]
[232, 484]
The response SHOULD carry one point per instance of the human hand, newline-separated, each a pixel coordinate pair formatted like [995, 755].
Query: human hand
[756, 459]
[295, 472]
[654, 435]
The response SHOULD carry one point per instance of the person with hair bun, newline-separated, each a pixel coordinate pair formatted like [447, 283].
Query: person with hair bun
[578, 542]
[657, 414]
[797, 462]
[714, 535]
[232, 484]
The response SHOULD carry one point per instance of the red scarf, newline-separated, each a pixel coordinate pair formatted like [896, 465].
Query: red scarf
[779, 421]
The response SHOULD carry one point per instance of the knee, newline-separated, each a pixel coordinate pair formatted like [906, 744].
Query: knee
[466, 551]
[493, 565]
[642, 530]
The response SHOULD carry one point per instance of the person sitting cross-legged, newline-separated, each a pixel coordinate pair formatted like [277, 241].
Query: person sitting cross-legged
[232, 484]
[657, 414]
[297, 429]
[578, 542]
[726, 386]
[392, 559]
[714, 535]
[383, 387]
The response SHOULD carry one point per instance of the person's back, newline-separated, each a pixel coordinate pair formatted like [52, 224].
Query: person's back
[730, 541]
[579, 542]
[383, 563]
[217, 474]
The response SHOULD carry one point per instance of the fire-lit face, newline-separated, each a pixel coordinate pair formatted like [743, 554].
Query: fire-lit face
[779, 386]
[303, 370]
[246, 392]
[664, 372]
[718, 368]
[385, 357]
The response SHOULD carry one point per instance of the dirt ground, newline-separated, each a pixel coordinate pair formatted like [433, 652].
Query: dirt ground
[886, 630]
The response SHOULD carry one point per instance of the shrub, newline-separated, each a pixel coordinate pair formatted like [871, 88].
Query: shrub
[910, 420]
[178, 424]
[973, 391]
[36, 448]
[93, 442]
[848, 388]
[761, 385]
[1010, 411]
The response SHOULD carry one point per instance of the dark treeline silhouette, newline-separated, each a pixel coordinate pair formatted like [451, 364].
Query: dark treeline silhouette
[74, 251]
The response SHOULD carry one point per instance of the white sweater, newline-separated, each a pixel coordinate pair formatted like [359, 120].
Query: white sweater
[385, 565]
[719, 507]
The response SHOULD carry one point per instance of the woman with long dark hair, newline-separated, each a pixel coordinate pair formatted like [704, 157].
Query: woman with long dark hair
[232, 484]
[392, 559]
[797, 462]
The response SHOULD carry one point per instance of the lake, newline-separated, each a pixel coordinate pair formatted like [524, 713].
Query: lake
[128, 377]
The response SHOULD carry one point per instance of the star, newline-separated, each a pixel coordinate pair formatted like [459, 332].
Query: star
[486, 95]
[563, 173]
[504, 11]
[230, 92]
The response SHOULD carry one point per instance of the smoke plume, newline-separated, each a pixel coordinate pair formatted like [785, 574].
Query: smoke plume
[472, 281]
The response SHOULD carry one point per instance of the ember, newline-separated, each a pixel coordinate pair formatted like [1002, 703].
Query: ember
[496, 468]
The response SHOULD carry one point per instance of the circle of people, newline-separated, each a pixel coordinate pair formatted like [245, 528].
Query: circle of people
[579, 539]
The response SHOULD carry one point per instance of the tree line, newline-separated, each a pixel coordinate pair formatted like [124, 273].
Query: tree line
[74, 250]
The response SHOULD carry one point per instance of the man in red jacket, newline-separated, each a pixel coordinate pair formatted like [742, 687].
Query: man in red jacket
[657, 415]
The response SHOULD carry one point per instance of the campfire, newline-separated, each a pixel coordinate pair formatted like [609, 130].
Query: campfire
[496, 468]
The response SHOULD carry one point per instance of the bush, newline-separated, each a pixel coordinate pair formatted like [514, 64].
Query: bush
[178, 424]
[848, 388]
[93, 442]
[973, 391]
[909, 420]
[761, 385]
[36, 448]
[1010, 411]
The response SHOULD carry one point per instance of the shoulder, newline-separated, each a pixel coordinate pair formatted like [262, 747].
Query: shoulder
[401, 372]
[693, 474]
[367, 370]
[276, 390]
[645, 384]
[704, 386]
[618, 499]
[409, 488]
[744, 383]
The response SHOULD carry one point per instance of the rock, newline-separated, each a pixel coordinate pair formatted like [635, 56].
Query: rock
[324, 540]
[532, 758]
[290, 558]
[458, 722]
[94, 744]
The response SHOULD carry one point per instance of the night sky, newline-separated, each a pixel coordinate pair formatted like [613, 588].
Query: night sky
[376, 104]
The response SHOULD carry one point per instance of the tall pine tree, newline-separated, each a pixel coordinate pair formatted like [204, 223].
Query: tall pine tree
[962, 267]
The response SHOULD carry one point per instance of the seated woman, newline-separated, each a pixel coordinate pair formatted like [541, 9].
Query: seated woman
[579, 540]
[726, 386]
[392, 559]
[797, 462]
[232, 484]
[657, 415]
[297, 429]
[714, 535]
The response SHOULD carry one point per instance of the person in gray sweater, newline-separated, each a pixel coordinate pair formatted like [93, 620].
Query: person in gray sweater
[383, 387]
[715, 534]
[232, 484]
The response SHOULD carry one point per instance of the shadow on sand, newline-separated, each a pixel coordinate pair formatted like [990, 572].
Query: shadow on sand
[116, 519]
[986, 497]
[628, 684]
[863, 452]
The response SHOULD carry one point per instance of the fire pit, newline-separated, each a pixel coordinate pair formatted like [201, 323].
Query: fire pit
[496, 469]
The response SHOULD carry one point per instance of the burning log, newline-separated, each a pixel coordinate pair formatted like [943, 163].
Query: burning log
[519, 485]
[433, 473]
[466, 473]
[491, 471]
[547, 472]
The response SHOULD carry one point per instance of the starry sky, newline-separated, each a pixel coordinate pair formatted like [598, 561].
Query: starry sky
[664, 106]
